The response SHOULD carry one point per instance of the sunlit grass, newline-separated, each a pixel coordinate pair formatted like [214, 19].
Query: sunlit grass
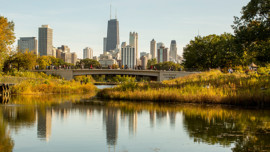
[207, 87]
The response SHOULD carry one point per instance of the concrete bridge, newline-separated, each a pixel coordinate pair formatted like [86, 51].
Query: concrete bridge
[154, 75]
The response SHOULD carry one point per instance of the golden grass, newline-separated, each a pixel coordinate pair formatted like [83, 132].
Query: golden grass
[207, 87]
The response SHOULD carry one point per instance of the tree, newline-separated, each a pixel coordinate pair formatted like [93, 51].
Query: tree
[151, 62]
[6, 38]
[21, 61]
[44, 61]
[211, 51]
[252, 32]
[87, 63]
[168, 66]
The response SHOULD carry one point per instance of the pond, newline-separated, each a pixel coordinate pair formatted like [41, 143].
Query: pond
[76, 123]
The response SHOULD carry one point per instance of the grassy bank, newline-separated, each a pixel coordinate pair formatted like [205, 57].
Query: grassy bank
[40, 83]
[207, 87]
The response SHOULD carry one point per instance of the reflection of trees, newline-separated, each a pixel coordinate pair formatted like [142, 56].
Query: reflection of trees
[17, 117]
[247, 129]
[6, 143]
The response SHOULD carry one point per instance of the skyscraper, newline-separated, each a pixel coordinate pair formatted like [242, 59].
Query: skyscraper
[153, 49]
[104, 44]
[163, 54]
[128, 56]
[112, 35]
[45, 40]
[133, 41]
[87, 53]
[173, 50]
[27, 44]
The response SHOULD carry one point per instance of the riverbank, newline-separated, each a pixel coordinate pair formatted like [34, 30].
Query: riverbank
[212, 87]
[30, 83]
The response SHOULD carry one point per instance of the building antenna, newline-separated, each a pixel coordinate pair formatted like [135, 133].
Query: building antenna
[110, 11]
[115, 13]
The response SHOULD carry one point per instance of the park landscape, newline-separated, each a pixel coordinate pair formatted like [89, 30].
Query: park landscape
[232, 85]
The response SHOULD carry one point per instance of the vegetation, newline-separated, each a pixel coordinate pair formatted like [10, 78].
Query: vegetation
[87, 63]
[7, 38]
[40, 83]
[250, 42]
[208, 87]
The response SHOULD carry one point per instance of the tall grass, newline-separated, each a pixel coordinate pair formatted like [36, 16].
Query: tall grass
[40, 83]
[207, 87]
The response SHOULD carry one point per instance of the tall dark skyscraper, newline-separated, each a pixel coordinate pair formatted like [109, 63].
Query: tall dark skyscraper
[112, 35]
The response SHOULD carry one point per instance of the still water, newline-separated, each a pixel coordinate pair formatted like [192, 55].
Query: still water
[70, 123]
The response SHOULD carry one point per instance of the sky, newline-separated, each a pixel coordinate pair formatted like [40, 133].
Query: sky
[83, 23]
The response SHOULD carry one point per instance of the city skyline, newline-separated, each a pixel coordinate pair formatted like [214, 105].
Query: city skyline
[80, 28]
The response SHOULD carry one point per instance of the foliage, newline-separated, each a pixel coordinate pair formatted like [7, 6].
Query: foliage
[151, 62]
[44, 61]
[211, 51]
[84, 79]
[51, 85]
[169, 66]
[252, 31]
[208, 87]
[21, 61]
[7, 37]
[86, 63]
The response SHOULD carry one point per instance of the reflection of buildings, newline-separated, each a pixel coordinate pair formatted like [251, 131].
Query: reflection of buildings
[161, 116]
[110, 117]
[132, 122]
[172, 116]
[44, 124]
[152, 118]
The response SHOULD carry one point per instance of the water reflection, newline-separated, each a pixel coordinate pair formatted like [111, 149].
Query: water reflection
[44, 123]
[235, 129]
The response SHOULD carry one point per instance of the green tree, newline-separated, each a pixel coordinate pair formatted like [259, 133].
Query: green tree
[168, 66]
[44, 61]
[151, 62]
[87, 63]
[6, 38]
[252, 32]
[21, 61]
[211, 51]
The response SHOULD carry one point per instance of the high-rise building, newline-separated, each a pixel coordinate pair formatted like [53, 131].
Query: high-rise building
[104, 44]
[128, 56]
[163, 54]
[173, 50]
[27, 44]
[144, 61]
[160, 44]
[153, 48]
[133, 41]
[45, 40]
[87, 53]
[64, 48]
[73, 58]
[66, 57]
[112, 35]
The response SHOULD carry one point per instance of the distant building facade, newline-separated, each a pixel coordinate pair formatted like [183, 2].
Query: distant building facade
[45, 40]
[73, 58]
[173, 50]
[87, 53]
[106, 60]
[163, 54]
[27, 44]
[133, 42]
[153, 48]
[112, 35]
[104, 44]
[128, 56]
